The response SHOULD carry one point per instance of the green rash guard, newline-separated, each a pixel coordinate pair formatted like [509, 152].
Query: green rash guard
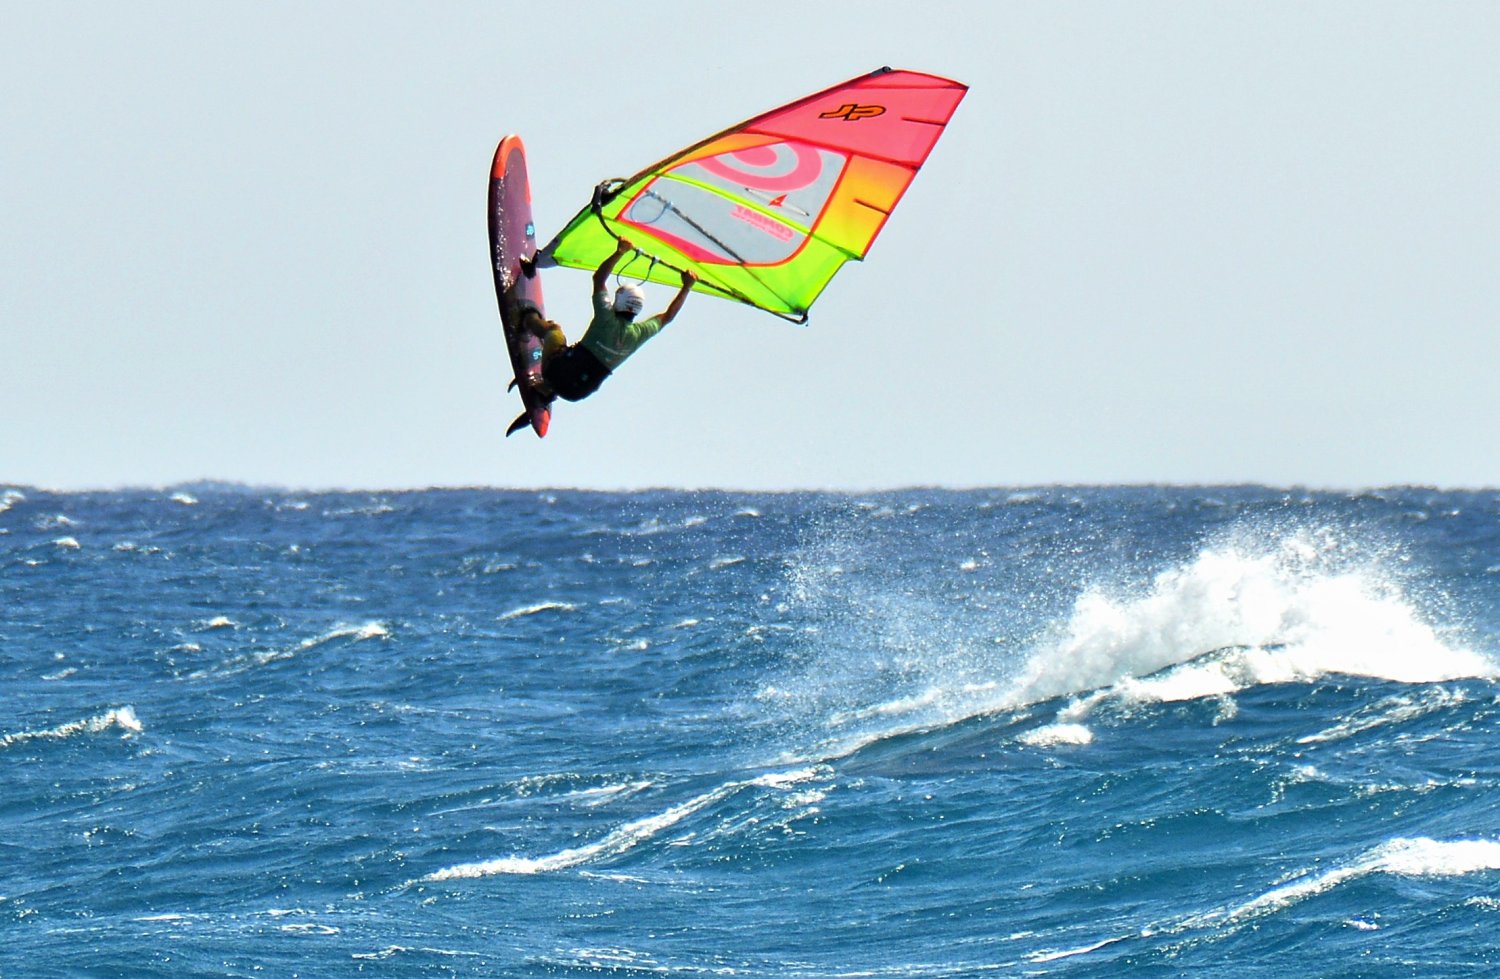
[611, 337]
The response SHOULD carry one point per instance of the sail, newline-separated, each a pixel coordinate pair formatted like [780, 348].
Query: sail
[766, 212]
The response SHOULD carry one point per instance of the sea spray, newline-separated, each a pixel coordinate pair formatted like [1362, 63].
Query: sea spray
[1249, 609]
[1234, 618]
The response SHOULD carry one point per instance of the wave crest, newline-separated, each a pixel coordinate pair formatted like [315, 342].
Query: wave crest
[1232, 619]
[121, 717]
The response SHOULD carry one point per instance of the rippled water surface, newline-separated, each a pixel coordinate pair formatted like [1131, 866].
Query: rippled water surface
[481, 733]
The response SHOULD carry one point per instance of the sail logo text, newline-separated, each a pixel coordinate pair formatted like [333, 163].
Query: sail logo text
[853, 112]
[757, 220]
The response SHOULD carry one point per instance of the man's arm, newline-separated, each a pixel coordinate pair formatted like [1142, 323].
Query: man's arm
[675, 306]
[601, 275]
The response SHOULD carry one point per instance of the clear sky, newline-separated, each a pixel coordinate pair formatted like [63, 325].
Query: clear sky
[1160, 242]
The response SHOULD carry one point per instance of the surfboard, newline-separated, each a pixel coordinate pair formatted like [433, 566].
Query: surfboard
[512, 238]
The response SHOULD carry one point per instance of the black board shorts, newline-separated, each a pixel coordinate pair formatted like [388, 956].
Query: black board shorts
[574, 373]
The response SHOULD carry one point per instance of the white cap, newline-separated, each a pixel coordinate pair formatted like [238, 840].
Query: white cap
[630, 300]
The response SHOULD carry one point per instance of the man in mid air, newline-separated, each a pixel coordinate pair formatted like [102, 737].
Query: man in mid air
[573, 372]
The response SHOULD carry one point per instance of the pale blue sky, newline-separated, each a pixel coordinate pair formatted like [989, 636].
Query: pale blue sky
[1160, 242]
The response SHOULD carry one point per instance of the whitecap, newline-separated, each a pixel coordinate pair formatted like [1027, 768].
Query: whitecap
[1040, 957]
[603, 794]
[391, 951]
[1234, 618]
[1056, 734]
[536, 609]
[186, 499]
[782, 780]
[369, 630]
[308, 928]
[1391, 710]
[623, 838]
[618, 841]
[1416, 857]
[121, 717]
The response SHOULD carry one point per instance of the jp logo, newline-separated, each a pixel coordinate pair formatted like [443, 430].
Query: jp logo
[853, 112]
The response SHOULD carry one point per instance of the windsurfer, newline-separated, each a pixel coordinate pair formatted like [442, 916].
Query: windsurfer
[575, 371]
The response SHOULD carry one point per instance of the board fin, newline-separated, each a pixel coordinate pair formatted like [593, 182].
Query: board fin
[522, 420]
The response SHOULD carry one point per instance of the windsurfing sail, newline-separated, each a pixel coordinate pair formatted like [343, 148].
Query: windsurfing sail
[766, 212]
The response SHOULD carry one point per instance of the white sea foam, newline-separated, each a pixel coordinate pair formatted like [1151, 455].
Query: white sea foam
[654, 526]
[263, 657]
[1235, 618]
[10, 498]
[623, 838]
[540, 607]
[121, 717]
[1252, 611]
[1391, 710]
[604, 794]
[1419, 857]
[618, 841]
[391, 951]
[368, 630]
[783, 780]
[186, 499]
[1055, 734]
[67, 543]
[1039, 957]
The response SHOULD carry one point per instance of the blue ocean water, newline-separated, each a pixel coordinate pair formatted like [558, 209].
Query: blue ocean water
[1058, 732]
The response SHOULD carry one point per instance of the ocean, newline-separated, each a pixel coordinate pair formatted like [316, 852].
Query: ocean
[1227, 731]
